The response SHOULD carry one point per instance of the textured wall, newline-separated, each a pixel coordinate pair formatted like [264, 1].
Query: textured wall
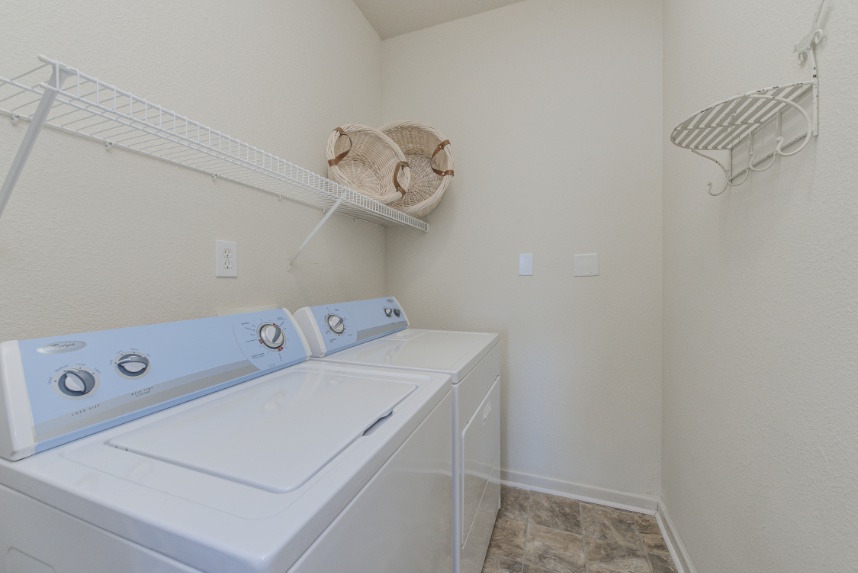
[760, 304]
[553, 108]
[92, 239]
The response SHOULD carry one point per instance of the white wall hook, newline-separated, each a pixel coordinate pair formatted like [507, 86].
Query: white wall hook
[108, 145]
[812, 38]
[14, 118]
[807, 119]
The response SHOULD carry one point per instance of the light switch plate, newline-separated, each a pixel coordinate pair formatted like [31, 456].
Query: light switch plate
[587, 265]
[525, 264]
[226, 258]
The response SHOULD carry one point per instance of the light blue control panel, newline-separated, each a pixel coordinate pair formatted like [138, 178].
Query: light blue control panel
[79, 384]
[330, 328]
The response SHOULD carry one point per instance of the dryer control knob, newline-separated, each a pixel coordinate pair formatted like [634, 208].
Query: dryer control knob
[271, 336]
[388, 312]
[335, 323]
[76, 382]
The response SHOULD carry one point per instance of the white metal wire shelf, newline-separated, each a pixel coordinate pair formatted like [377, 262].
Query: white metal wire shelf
[66, 99]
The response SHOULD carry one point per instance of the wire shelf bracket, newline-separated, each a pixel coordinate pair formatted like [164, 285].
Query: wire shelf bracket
[726, 125]
[63, 98]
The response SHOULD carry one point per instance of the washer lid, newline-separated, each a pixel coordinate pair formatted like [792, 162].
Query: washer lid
[274, 436]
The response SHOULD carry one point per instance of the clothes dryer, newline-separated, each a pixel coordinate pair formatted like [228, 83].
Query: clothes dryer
[213, 445]
[376, 333]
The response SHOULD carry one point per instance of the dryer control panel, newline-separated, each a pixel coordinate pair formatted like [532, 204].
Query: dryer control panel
[58, 389]
[330, 328]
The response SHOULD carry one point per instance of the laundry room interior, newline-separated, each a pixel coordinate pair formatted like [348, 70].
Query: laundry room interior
[705, 372]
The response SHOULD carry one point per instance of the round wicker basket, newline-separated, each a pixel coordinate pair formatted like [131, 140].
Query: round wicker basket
[431, 161]
[368, 161]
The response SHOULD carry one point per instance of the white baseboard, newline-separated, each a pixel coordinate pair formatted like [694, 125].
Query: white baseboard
[588, 493]
[672, 540]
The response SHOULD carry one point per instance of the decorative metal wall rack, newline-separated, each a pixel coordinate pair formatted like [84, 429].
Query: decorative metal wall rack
[726, 125]
[64, 98]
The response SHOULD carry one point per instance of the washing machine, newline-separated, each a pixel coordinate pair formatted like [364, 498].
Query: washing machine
[215, 445]
[376, 333]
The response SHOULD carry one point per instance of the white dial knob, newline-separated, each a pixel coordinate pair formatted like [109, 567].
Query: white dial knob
[271, 336]
[132, 365]
[76, 382]
[336, 323]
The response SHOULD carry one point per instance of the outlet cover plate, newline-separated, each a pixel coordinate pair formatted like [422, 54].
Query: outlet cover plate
[226, 258]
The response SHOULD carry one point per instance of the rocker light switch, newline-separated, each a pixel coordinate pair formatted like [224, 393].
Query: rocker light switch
[525, 265]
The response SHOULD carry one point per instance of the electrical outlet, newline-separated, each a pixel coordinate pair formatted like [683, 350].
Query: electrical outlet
[226, 259]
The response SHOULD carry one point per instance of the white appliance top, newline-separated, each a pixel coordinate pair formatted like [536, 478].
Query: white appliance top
[375, 332]
[274, 436]
[451, 352]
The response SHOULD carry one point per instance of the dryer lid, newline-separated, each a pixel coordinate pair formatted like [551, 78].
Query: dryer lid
[275, 435]
[453, 352]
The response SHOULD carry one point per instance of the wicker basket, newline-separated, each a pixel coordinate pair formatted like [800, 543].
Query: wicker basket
[368, 161]
[428, 154]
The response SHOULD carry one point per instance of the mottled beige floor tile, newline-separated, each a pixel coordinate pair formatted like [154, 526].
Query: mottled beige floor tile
[555, 512]
[495, 564]
[647, 524]
[654, 543]
[557, 551]
[534, 569]
[608, 524]
[514, 503]
[611, 557]
[661, 563]
[507, 539]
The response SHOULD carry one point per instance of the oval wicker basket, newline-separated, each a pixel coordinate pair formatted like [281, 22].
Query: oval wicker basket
[368, 161]
[431, 161]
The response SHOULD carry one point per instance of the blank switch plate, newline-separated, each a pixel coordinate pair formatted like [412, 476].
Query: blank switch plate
[587, 265]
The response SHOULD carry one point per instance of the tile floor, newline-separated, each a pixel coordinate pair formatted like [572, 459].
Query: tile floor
[541, 533]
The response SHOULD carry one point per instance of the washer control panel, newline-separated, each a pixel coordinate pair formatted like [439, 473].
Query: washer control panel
[54, 390]
[330, 328]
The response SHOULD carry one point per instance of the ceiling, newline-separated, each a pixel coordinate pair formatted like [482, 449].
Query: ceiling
[394, 17]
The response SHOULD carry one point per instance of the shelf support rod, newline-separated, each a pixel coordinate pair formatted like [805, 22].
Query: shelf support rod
[58, 77]
[315, 230]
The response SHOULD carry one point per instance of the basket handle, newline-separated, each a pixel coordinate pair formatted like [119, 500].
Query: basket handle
[396, 171]
[438, 149]
[336, 160]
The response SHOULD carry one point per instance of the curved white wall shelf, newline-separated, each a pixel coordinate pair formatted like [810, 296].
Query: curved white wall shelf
[730, 123]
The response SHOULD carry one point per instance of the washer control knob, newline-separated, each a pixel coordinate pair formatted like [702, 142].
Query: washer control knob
[271, 336]
[132, 365]
[335, 323]
[76, 382]
[388, 312]
[397, 312]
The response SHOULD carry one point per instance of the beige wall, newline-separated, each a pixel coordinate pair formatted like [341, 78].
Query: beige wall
[92, 239]
[554, 111]
[761, 305]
